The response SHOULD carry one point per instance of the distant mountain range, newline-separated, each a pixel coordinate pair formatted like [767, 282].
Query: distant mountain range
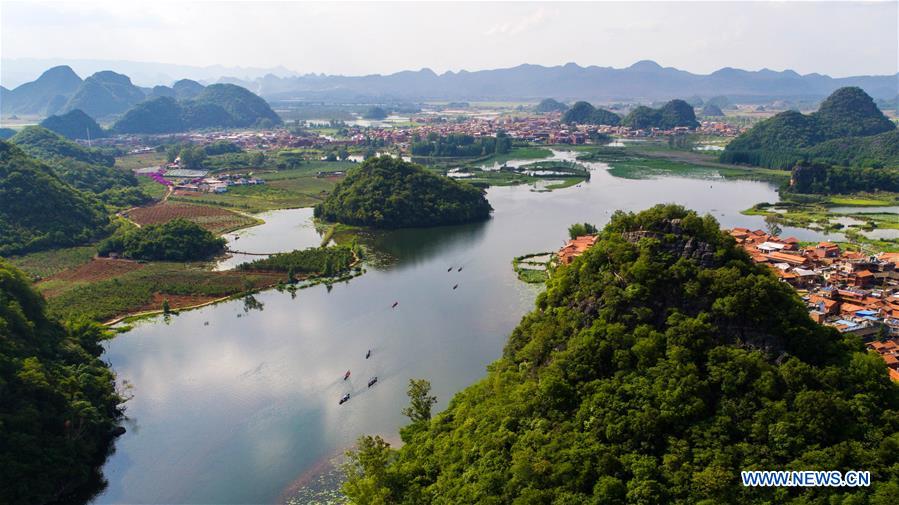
[644, 80]
[17, 71]
[73, 104]
[107, 93]
[60, 90]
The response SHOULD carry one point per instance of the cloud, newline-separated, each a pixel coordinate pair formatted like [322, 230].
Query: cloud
[536, 18]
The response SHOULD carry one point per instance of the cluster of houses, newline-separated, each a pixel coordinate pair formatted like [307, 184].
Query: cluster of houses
[218, 184]
[196, 181]
[851, 291]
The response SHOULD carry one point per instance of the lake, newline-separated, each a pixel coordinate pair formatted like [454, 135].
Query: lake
[239, 404]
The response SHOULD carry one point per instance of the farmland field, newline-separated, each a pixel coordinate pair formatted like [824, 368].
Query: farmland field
[144, 288]
[214, 219]
[46, 263]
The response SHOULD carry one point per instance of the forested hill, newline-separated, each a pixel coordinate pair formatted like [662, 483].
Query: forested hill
[38, 210]
[675, 113]
[217, 106]
[58, 403]
[185, 105]
[386, 192]
[46, 145]
[655, 368]
[788, 137]
[74, 124]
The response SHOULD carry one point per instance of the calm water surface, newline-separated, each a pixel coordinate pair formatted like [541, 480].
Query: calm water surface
[235, 405]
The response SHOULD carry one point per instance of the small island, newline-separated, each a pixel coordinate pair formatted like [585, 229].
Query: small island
[386, 192]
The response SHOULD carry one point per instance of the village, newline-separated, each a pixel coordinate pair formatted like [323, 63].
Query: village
[545, 129]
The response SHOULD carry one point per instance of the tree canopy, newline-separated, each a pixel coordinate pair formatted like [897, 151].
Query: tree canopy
[175, 240]
[38, 210]
[655, 368]
[376, 113]
[58, 403]
[386, 192]
[49, 146]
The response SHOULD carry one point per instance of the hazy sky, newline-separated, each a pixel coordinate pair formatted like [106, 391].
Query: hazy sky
[359, 38]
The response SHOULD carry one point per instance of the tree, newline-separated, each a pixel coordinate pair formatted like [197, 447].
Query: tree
[420, 400]
[193, 157]
[366, 472]
[772, 224]
[580, 229]
[376, 113]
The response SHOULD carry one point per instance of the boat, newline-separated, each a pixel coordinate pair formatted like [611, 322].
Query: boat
[460, 269]
[456, 286]
[347, 375]
[450, 269]
[394, 305]
[344, 399]
[368, 354]
[372, 381]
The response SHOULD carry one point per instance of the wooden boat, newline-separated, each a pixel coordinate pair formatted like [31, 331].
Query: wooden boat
[372, 381]
[347, 375]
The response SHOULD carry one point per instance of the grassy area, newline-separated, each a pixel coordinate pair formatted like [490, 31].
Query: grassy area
[521, 153]
[182, 284]
[533, 268]
[286, 193]
[864, 200]
[151, 187]
[643, 163]
[285, 189]
[818, 215]
[135, 161]
[564, 183]
[46, 263]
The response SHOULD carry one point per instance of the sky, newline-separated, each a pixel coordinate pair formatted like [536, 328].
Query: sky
[834, 38]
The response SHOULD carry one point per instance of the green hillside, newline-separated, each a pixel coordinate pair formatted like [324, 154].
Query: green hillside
[38, 210]
[74, 124]
[245, 107]
[105, 93]
[159, 115]
[673, 114]
[217, 106]
[58, 405]
[46, 145]
[550, 105]
[44, 95]
[386, 192]
[655, 368]
[585, 113]
[844, 118]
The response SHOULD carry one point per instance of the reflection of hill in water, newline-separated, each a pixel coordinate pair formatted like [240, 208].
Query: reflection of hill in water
[390, 249]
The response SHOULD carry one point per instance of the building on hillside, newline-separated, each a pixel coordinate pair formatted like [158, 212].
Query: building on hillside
[575, 247]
